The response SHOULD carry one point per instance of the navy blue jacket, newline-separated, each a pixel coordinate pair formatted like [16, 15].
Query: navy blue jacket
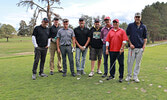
[137, 34]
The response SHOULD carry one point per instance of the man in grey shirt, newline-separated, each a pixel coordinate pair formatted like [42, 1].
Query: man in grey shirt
[64, 37]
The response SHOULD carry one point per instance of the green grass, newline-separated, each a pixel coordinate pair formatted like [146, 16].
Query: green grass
[16, 82]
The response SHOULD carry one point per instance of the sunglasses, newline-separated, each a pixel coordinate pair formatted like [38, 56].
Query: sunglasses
[115, 22]
[137, 17]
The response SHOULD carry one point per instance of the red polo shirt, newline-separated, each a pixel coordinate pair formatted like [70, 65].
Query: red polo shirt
[115, 39]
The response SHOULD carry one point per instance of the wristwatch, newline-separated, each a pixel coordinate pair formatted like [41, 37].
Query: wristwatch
[84, 47]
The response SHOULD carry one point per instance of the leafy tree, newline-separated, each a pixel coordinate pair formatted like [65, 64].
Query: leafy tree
[123, 25]
[7, 31]
[23, 30]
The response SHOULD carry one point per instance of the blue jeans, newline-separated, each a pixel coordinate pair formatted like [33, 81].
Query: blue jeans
[105, 60]
[77, 57]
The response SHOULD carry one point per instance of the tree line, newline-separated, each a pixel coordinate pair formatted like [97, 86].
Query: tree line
[153, 16]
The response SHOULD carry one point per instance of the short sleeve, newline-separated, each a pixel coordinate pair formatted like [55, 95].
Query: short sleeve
[108, 37]
[73, 35]
[35, 31]
[102, 32]
[125, 37]
[58, 33]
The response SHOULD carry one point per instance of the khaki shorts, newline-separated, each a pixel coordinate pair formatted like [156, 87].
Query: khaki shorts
[94, 53]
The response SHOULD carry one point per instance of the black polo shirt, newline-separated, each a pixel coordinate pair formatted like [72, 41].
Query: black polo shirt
[53, 31]
[95, 40]
[81, 35]
[41, 34]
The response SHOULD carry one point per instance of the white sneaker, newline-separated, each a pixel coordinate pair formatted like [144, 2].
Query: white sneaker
[91, 74]
[99, 72]
[128, 78]
[136, 80]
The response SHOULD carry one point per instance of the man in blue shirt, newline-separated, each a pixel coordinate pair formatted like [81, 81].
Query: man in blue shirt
[137, 33]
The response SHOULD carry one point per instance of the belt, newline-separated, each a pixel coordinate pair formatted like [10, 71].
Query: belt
[65, 45]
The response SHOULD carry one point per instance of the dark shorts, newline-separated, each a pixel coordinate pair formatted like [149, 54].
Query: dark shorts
[94, 53]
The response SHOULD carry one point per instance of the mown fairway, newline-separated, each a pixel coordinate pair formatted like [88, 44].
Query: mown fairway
[16, 60]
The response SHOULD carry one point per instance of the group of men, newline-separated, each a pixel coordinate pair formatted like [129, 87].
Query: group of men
[109, 40]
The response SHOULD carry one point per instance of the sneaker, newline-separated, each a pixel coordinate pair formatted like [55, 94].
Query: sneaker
[73, 74]
[82, 72]
[110, 77]
[99, 72]
[104, 75]
[136, 80]
[60, 71]
[91, 74]
[128, 78]
[43, 75]
[51, 72]
[64, 75]
[120, 80]
[34, 76]
[78, 72]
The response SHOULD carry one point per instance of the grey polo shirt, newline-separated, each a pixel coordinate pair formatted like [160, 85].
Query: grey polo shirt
[65, 36]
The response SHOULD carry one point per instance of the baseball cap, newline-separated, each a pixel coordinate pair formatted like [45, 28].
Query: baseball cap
[81, 19]
[65, 20]
[45, 20]
[107, 18]
[56, 18]
[138, 14]
[116, 20]
[97, 20]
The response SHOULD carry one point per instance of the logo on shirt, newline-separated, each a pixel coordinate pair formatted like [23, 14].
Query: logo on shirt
[96, 35]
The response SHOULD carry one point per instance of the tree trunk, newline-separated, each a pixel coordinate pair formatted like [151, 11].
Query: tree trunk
[7, 39]
[48, 14]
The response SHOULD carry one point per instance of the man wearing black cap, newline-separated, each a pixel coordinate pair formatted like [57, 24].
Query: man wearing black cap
[53, 46]
[41, 42]
[96, 45]
[64, 37]
[82, 40]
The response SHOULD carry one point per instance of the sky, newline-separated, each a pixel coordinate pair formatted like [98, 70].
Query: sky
[123, 10]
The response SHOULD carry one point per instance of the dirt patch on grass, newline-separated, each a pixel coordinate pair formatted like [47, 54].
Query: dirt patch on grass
[24, 53]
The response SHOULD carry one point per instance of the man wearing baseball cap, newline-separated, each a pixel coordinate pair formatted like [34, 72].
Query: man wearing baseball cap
[82, 40]
[95, 47]
[53, 46]
[116, 39]
[41, 42]
[64, 37]
[103, 36]
[137, 33]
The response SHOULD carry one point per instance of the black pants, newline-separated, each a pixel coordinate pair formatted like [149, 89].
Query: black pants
[40, 53]
[120, 58]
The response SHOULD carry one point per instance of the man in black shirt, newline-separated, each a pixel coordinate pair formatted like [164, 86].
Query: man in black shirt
[53, 46]
[96, 45]
[41, 42]
[82, 40]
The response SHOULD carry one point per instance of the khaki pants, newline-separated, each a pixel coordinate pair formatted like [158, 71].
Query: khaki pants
[52, 50]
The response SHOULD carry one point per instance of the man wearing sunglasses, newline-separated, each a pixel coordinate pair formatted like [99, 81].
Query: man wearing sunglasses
[137, 34]
[116, 39]
[41, 42]
[64, 37]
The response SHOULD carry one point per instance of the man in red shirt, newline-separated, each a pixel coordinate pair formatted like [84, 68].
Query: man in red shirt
[116, 39]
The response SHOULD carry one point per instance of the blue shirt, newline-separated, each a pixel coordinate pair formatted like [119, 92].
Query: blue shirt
[137, 34]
